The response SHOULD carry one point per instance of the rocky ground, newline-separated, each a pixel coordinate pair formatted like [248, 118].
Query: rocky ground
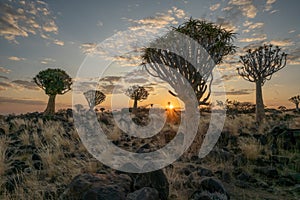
[42, 157]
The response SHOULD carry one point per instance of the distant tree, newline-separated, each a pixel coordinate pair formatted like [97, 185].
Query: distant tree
[94, 98]
[137, 93]
[296, 101]
[53, 82]
[282, 108]
[217, 42]
[259, 65]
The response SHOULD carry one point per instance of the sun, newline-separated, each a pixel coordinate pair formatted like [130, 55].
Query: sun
[170, 106]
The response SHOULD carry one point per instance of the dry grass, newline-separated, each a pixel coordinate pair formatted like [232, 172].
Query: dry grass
[250, 148]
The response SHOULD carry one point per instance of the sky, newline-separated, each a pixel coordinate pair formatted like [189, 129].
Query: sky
[36, 35]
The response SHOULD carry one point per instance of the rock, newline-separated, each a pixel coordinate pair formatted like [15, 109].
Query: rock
[279, 159]
[144, 149]
[2, 132]
[220, 155]
[37, 161]
[295, 177]
[223, 175]
[38, 165]
[210, 185]
[36, 157]
[261, 161]
[145, 193]
[185, 171]
[284, 181]
[262, 139]
[242, 184]
[156, 179]
[270, 172]
[208, 196]
[98, 186]
[239, 160]
[204, 172]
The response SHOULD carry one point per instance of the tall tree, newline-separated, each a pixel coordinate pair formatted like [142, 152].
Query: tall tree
[259, 65]
[215, 40]
[53, 82]
[94, 98]
[137, 93]
[296, 101]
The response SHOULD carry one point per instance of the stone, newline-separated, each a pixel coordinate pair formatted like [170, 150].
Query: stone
[204, 172]
[156, 179]
[208, 196]
[269, 172]
[211, 185]
[98, 186]
[145, 193]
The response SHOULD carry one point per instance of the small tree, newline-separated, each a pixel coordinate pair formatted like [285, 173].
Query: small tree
[137, 93]
[259, 65]
[296, 101]
[53, 82]
[94, 98]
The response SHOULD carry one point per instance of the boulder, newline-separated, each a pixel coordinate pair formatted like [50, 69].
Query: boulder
[98, 186]
[210, 186]
[156, 179]
[145, 193]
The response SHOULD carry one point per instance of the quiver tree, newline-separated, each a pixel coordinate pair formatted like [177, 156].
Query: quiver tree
[94, 98]
[136, 93]
[203, 46]
[296, 101]
[53, 82]
[259, 65]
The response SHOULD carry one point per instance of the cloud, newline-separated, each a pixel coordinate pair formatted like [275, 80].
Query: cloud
[245, 6]
[228, 25]
[293, 57]
[110, 79]
[4, 70]
[88, 48]
[58, 42]
[26, 84]
[257, 37]
[215, 7]
[46, 61]
[256, 25]
[251, 46]
[139, 34]
[236, 92]
[15, 58]
[99, 23]
[5, 85]
[282, 43]
[5, 100]
[3, 77]
[18, 19]
[269, 4]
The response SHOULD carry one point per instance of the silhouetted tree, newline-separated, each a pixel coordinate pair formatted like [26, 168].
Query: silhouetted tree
[216, 41]
[94, 98]
[53, 82]
[296, 101]
[137, 93]
[282, 108]
[259, 65]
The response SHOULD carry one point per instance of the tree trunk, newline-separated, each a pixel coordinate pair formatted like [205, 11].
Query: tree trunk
[260, 110]
[297, 107]
[135, 104]
[51, 105]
